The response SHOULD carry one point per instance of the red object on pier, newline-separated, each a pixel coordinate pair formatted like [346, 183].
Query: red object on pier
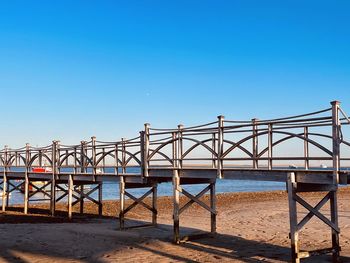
[38, 170]
[41, 170]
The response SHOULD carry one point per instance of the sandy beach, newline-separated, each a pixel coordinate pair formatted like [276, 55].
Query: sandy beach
[252, 227]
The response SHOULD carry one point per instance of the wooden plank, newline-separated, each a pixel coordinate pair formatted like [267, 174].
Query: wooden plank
[306, 187]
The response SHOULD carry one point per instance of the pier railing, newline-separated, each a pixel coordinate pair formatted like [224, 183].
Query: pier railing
[309, 141]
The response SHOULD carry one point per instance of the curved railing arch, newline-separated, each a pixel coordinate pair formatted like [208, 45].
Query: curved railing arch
[36, 156]
[300, 136]
[105, 154]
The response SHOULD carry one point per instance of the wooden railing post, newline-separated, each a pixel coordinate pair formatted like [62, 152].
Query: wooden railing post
[180, 145]
[306, 148]
[75, 155]
[270, 142]
[335, 140]
[93, 153]
[123, 156]
[82, 156]
[146, 149]
[143, 154]
[116, 163]
[255, 148]
[220, 145]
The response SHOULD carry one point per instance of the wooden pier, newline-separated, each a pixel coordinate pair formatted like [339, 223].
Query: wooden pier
[289, 149]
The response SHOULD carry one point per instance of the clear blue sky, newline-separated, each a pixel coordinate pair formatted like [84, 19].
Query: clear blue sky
[73, 69]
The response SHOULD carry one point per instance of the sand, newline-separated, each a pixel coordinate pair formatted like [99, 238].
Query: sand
[252, 227]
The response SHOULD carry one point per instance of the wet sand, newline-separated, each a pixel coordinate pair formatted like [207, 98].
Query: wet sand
[252, 227]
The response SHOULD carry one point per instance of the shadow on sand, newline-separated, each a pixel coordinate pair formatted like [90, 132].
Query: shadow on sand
[216, 248]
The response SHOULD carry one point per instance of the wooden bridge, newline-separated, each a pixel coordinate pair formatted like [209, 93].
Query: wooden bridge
[290, 150]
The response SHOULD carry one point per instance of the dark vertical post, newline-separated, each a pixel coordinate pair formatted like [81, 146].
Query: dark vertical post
[100, 198]
[220, 145]
[336, 166]
[255, 143]
[293, 217]
[154, 204]
[213, 207]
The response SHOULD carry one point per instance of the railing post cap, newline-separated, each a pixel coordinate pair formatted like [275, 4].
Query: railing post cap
[335, 102]
[82, 142]
[147, 124]
[221, 117]
[93, 137]
[255, 119]
[180, 126]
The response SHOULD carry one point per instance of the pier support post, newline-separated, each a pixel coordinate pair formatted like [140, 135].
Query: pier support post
[81, 202]
[4, 192]
[296, 226]
[122, 202]
[100, 199]
[70, 195]
[176, 212]
[26, 194]
[213, 207]
[154, 204]
[293, 219]
[334, 220]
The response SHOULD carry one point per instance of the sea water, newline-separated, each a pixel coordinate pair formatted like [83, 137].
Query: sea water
[110, 190]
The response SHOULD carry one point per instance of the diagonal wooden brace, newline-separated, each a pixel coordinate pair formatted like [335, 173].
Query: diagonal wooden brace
[139, 201]
[40, 189]
[85, 195]
[307, 218]
[195, 199]
[316, 213]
